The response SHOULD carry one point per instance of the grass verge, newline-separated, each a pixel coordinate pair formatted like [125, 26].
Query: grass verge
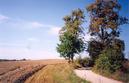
[118, 75]
[59, 73]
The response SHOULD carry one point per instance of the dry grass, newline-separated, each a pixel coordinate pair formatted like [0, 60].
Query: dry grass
[59, 73]
[11, 65]
[14, 71]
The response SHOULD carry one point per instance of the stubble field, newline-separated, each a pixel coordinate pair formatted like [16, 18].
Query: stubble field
[19, 71]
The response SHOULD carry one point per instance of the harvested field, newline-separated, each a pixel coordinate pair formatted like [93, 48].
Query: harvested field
[19, 71]
[58, 73]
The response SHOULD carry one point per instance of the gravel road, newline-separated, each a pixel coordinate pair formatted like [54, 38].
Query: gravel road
[94, 78]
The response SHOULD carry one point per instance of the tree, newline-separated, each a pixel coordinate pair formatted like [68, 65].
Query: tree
[104, 24]
[71, 41]
[69, 46]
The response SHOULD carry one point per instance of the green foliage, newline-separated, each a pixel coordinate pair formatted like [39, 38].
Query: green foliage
[71, 41]
[83, 62]
[94, 49]
[104, 24]
[109, 61]
[86, 62]
[69, 46]
[105, 20]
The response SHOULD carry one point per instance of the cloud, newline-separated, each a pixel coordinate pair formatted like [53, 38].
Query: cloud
[35, 25]
[23, 24]
[27, 47]
[32, 39]
[54, 30]
[3, 18]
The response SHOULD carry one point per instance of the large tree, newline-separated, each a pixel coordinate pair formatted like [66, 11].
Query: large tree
[71, 41]
[105, 23]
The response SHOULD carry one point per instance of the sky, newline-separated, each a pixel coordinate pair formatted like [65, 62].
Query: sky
[29, 28]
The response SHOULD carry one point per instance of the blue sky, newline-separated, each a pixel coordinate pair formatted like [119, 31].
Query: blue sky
[29, 28]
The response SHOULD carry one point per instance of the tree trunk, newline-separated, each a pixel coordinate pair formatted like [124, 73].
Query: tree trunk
[69, 59]
[72, 58]
[102, 35]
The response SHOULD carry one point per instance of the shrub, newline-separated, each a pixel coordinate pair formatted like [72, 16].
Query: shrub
[86, 62]
[109, 61]
[83, 62]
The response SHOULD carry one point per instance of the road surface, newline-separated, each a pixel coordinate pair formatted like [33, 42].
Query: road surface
[94, 78]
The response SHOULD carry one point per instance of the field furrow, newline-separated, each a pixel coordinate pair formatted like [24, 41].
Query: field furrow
[20, 71]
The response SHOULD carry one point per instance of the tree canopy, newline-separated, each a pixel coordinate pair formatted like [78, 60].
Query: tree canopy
[71, 41]
[105, 23]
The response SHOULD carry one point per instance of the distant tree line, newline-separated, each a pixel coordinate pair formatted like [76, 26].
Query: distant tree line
[1, 60]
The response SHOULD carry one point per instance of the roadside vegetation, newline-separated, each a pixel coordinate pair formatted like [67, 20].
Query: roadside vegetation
[59, 73]
[82, 62]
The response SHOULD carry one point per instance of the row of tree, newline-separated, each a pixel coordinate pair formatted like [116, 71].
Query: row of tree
[104, 26]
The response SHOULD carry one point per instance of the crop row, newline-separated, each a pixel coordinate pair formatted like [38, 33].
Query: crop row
[19, 75]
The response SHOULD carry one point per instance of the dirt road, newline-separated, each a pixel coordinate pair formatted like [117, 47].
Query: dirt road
[94, 78]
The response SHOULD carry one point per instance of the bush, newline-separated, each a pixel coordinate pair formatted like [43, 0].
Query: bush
[109, 61]
[83, 62]
[86, 62]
